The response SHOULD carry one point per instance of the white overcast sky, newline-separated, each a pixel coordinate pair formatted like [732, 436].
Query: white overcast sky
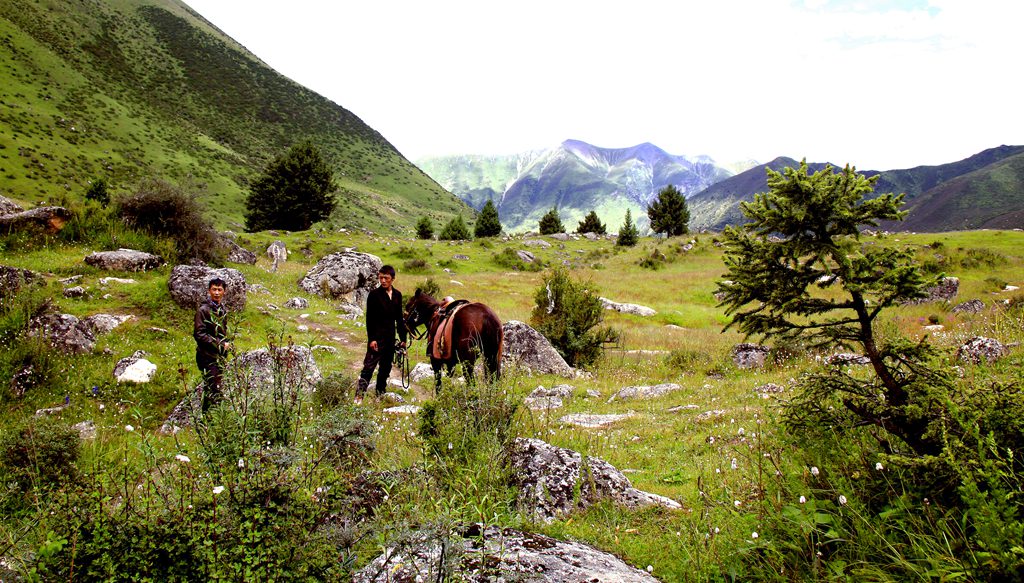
[881, 84]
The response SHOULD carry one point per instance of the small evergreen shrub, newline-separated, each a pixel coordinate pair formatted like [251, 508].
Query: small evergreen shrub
[455, 230]
[569, 314]
[424, 228]
[97, 191]
[334, 390]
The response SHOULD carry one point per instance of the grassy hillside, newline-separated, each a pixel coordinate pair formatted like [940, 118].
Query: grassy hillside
[127, 89]
[717, 446]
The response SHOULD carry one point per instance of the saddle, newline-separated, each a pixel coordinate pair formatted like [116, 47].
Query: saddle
[441, 329]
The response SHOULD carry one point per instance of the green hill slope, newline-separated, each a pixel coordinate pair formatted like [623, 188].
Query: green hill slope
[126, 89]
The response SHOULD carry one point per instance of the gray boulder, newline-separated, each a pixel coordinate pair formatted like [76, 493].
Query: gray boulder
[593, 421]
[554, 482]
[8, 207]
[237, 253]
[297, 303]
[526, 256]
[63, 332]
[189, 285]
[484, 554]
[105, 323]
[560, 391]
[634, 309]
[86, 429]
[349, 275]
[258, 369]
[846, 359]
[543, 403]
[645, 392]
[537, 243]
[979, 349]
[12, 279]
[124, 260]
[974, 306]
[49, 219]
[747, 355]
[945, 290]
[528, 349]
[74, 292]
[134, 369]
[277, 253]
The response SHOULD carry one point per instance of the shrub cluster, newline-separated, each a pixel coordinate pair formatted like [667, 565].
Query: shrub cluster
[166, 210]
[569, 314]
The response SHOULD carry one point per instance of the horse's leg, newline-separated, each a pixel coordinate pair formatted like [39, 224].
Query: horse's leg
[467, 371]
[436, 365]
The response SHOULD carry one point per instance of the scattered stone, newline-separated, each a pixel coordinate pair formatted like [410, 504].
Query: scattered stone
[134, 369]
[237, 253]
[258, 288]
[297, 303]
[593, 394]
[483, 554]
[682, 408]
[392, 398]
[592, 421]
[402, 410]
[847, 359]
[182, 414]
[352, 311]
[934, 328]
[709, 415]
[460, 257]
[560, 236]
[302, 328]
[348, 275]
[258, 368]
[553, 482]
[979, 349]
[106, 323]
[73, 280]
[530, 350]
[525, 256]
[158, 330]
[47, 218]
[645, 392]
[63, 332]
[109, 280]
[86, 429]
[561, 391]
[537, 243]
[591, 236]
[189, 286]
[458, 283]
[634, 309]
[325, 348]
[421, 372]
[8, 206]
[278, 254]
[74, 292]
[50, 411]
[748, 355]
[543, 403]
[945, 290]
[1011, 288]
[769, 389]
[12, 279]
[124, 260]
[974, 306]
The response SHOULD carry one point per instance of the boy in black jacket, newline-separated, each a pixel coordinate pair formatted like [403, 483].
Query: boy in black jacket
[211, 332]
[383, 316]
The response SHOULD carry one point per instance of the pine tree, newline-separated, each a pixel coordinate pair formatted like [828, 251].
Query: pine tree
[488, 224]
[294, 191]
[455, 230]
[425, 228]
[669, 213]
[628, 234]
[550, 223]
[591, 224]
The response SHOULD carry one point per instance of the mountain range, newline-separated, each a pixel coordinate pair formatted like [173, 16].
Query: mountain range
[121, 90]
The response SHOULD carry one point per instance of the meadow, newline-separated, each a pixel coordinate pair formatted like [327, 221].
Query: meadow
[758, 503]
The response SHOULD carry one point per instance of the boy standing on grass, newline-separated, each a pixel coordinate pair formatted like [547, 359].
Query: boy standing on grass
[383, 316]
[212, 346]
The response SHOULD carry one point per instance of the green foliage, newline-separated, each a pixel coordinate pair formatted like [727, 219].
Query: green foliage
[591, 224]
[424, 228]
[334, 390]
[40, 455]
[97, 191]
[628, 233]
[295, 190]
[569, 314]
[669, 213]
[488, 224]
[169, 211]
[508, 259]
[416, 265]
[455, 230]
[431, 288]
[550, 223]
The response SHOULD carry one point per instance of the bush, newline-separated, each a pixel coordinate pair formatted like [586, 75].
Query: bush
[41, 454]
[508, 259]
[417, 265]
[334, 390]
[424, 228]
[97, 191]
[165, 210]
[551, 223]
[686, 360]
[569, 314]
[455, 230]
[431, 288]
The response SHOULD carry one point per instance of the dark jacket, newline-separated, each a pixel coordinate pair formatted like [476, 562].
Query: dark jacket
[211, 330]
[383, 316]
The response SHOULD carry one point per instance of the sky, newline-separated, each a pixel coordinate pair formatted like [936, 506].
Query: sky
[879, 84]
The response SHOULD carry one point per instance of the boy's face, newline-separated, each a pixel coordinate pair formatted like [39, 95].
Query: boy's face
[216, 293]
[385, 280]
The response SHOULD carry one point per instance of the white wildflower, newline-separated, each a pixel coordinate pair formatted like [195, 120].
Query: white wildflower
[217, 490]
[754, 535]
[803, 500]
[650, 568]
[737, 503]
[842, 499]
[129, 428]
[182, 458]
[879, 466]
[241, 463]
[814, 470]
[740, 431]
[733, 465]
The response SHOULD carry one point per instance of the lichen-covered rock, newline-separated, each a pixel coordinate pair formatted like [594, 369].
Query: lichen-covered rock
[124, 260]
[644, 391]
[528, 349]
[297, 303]
[543, 403]
[86, 429]
[237, 253]
[945, 290]
[63, 332]
[134, 369]
[635, 309]
[748, 355]
[74, 292]
[526, 256]
[278, 254]
[349, 275]
[553, 482]
[980, 349]
[258, 369]
[106, 323]
[560, 391]
[12, 279]
[189, 286]
[974, 306]
[48, 219]
[537, 243]
[8, 207]
[486, 554]
[592, 420]
[846, 359]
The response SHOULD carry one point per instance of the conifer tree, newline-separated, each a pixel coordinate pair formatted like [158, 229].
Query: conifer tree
[550, 223]
[294, 191]
[455, 230]
[591, 224]
[488, 224]
[425, 228]
[669, 213]
[628, 234]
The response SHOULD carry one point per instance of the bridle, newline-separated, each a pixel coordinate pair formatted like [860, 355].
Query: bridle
[412, 329]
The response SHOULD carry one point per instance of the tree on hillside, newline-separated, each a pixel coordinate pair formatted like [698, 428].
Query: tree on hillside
[798, 270]
[488, 224]
[669, 213]
[628, 234]
[294, 191]
[591, 224]
[424, 228]
[455, 230]
[98, 191]
[551, 223]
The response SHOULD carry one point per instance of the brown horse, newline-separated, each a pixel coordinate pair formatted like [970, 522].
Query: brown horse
[476, 330]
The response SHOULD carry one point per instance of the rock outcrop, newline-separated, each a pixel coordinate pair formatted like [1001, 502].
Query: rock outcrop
[63, 332]
[635, 309]
[349, 276]
[528, 349]
[189, 286]
[278, 254]
[134, 369]
[8, 207]
[945, 290]
[974, 306]
[747, 355]
[106, 323]
[49, 219]
[124, 260]
[258, 369]
[644, 391]
[12, 279]
[237, 253]
[980, 349]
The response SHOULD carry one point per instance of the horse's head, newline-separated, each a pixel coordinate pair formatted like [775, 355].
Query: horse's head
[419, 310]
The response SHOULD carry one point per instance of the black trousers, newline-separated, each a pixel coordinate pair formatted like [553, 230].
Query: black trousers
[213, 378]
[383, 356]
